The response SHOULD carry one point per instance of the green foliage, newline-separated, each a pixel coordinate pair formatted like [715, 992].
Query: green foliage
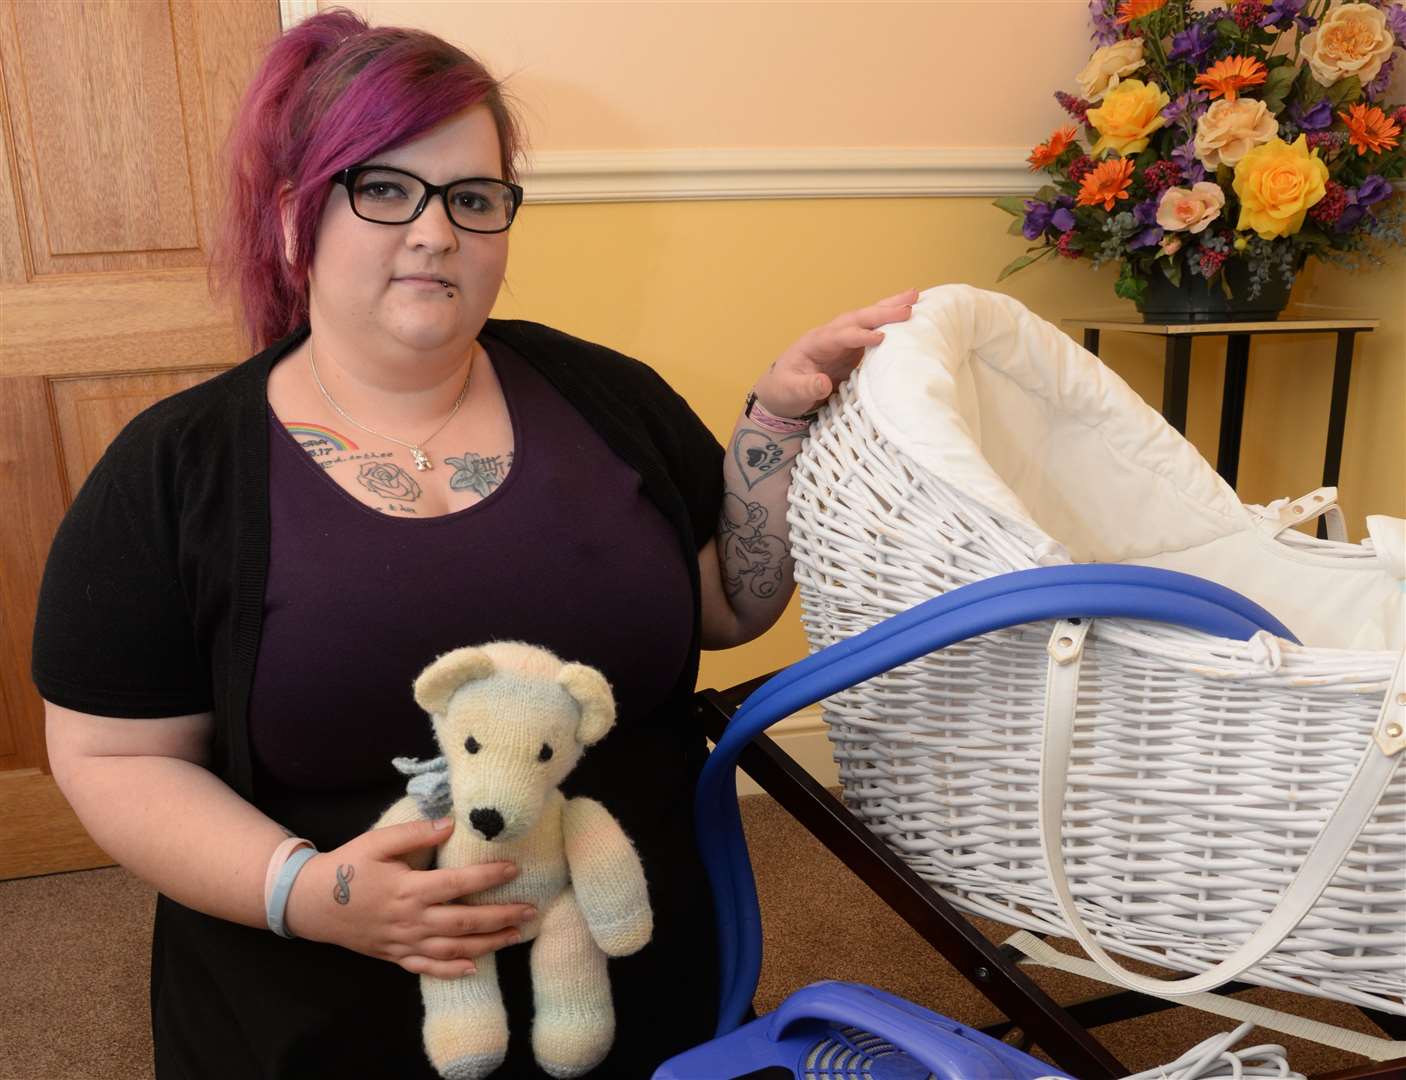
[1277, 87]
[1011, 204]
[1344, 92]
[1311, 91]
[1129, 286]
[1021, 263]
[1229, 29]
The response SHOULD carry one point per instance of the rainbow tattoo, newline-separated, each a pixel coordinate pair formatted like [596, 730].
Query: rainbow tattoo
[326, 434]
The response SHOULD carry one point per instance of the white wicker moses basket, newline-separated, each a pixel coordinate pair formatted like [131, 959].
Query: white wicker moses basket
[977, 440]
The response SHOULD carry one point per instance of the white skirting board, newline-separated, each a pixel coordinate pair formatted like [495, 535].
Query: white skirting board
[802, 736]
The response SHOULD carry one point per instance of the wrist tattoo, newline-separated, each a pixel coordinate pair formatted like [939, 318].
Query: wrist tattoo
[341, 892]
[760, 454]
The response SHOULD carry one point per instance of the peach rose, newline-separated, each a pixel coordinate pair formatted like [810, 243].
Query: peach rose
[1352, 39]
[1229, 130]
[1190, 209]
[1130, 112]
[1109, 64]
[1277, 183]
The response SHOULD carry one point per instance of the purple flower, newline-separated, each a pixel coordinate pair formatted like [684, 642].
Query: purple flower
[1106, 29]
[1375, 90]
[1351, 215]
[1145, 213]
[1281, 13]
[1193, 43]
[1193, 100]
[1372, 190]
[1148, 237]
[1192, 171]
[1396, 20]
[1315, 119]
[1037, 219]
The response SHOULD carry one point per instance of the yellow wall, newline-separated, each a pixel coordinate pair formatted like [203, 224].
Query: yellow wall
[709, 292]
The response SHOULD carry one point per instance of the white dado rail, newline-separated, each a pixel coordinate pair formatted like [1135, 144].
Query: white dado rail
[582, 176]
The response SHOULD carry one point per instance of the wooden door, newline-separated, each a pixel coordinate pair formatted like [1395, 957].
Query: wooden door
[111, 117]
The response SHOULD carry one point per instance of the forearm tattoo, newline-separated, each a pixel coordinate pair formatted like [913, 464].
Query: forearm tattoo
[479, 474]
[751, 557]
[341, 892]
[759, 454]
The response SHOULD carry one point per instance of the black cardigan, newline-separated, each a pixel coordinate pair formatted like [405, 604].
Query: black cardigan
[152, 599]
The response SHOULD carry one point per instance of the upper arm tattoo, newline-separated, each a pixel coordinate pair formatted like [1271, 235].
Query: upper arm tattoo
[750, 555]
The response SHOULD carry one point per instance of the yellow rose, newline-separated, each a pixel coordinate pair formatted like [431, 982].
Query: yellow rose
[1352, 39]
[1108, 65]
[1276, 184]
[1228, 130]
[1130, 112]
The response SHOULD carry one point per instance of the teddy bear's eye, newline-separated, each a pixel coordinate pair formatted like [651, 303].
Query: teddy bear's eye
[471, 745]
[545, 754]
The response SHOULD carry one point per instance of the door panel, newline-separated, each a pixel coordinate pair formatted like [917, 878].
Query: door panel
[111, 116]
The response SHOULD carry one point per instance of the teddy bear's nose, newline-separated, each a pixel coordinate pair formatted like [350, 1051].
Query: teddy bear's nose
[487, 822]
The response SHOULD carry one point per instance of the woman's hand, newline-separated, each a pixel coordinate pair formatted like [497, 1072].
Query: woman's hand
[364, 897]
[809, 371]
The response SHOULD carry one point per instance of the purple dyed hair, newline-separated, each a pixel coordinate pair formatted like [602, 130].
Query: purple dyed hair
[331, 92]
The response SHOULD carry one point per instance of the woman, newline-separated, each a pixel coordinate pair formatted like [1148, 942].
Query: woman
[243, 591]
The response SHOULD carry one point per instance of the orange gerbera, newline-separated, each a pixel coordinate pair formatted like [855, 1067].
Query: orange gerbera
[1369, 129]
[1107, 183]
[1129, 10]
[1047, 153]
[1229, 76]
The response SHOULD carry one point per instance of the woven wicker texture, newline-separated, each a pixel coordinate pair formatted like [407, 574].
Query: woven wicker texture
[1202, 769]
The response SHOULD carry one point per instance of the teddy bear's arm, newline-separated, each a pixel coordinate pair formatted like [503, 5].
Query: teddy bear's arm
[404, 809]
[607, 878]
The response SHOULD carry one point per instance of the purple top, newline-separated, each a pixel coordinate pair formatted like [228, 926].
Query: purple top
[567, 553]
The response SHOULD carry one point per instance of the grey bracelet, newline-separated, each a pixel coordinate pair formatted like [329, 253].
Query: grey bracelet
[282, 885]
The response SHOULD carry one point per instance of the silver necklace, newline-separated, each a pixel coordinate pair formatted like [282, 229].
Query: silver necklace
[422, 460]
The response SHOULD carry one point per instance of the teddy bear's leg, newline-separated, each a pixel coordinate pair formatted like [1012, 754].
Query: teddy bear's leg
[466, 1026]
[574, 1023]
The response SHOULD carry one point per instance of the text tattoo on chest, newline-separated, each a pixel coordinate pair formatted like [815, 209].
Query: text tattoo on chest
[377, 473]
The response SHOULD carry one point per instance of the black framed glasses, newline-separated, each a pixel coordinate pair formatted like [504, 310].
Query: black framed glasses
[395, 197]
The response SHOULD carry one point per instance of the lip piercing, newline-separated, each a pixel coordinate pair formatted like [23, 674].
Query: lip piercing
[448, 290]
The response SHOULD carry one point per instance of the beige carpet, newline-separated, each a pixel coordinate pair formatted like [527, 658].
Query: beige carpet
[73, 987]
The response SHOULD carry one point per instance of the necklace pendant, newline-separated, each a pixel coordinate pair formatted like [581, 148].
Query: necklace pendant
[422, 462]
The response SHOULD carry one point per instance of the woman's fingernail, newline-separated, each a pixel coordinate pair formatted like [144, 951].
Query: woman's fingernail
[509, 871]
[529, 913]
[443, 823]
[514, 937]
[470, 969]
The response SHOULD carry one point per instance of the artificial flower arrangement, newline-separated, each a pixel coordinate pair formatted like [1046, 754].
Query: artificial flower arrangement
[1222, 132]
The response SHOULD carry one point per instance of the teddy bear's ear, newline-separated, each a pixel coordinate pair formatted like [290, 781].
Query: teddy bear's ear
[590, 690]
[437, 683]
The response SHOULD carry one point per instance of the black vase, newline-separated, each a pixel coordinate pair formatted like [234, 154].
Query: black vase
[1194, 301]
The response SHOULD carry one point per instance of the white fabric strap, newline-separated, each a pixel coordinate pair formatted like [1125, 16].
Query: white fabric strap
[1389, 542]
[1351, 1042]
[1340, 832]
[1284, 513]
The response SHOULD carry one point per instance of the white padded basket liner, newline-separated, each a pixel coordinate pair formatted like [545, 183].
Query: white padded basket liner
[978, 439]
[1003, 406]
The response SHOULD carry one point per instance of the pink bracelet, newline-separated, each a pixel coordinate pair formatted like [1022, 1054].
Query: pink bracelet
[779, 425]
[277, 859]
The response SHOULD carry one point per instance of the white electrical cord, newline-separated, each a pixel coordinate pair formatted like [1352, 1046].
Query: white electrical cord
[1212, 1059]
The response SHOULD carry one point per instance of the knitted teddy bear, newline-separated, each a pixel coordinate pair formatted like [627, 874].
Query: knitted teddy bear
[512, 720]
